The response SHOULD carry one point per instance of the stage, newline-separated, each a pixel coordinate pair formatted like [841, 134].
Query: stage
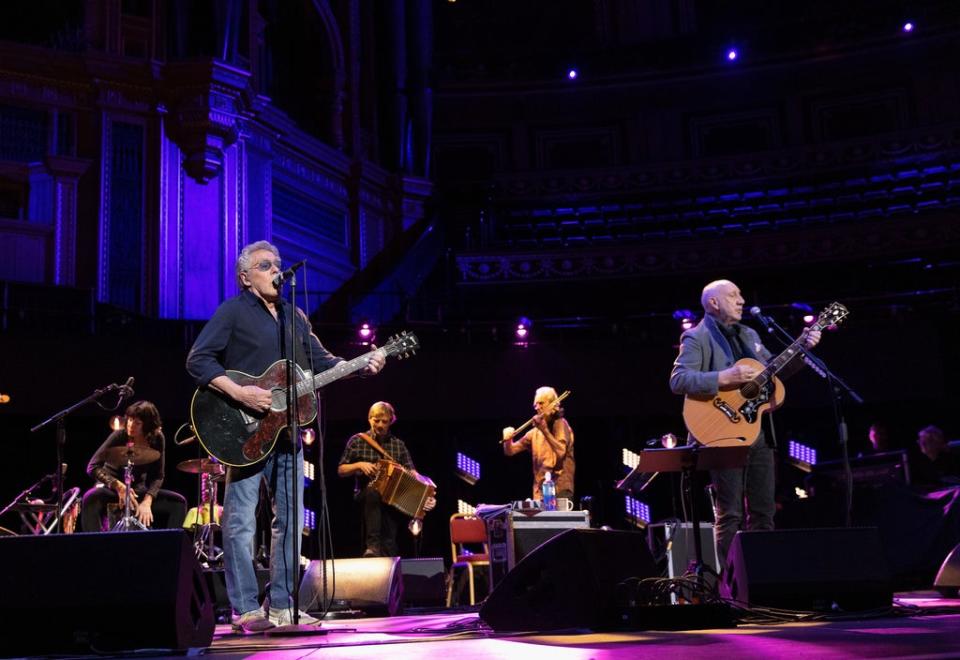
[919, 625]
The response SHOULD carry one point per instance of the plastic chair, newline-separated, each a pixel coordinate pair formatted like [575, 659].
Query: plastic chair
[466, 530]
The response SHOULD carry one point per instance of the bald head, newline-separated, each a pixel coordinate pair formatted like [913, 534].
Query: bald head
[721, 299]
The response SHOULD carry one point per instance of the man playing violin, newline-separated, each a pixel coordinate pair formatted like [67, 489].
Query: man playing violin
[550, 443]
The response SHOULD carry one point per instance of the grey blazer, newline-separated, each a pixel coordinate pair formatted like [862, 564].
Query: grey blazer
[704, 352]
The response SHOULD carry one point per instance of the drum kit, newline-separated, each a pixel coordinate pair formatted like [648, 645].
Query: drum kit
[204, 519]
[128, 456]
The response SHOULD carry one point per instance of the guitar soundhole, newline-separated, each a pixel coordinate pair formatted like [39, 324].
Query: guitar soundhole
[750, 390]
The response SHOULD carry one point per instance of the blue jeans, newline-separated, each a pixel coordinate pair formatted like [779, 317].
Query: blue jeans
[754, 483]
[240, 527]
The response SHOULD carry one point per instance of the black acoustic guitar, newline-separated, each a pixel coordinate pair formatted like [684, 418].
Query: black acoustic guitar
[238, 436]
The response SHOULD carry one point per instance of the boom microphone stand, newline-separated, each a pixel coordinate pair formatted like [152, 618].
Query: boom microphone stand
[293, 426]
[58, 418]
[838, 387]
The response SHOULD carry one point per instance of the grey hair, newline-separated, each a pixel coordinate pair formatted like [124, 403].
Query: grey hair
[244, 261]
[547, 391]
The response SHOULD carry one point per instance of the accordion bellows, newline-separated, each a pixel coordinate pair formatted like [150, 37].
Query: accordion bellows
[401, 489]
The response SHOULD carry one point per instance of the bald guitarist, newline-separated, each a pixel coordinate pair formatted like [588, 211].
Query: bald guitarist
[706, 364]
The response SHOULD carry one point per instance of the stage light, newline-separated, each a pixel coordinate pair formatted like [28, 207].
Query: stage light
[309, 473]
[686, 317]
[367, 333]
[468, 469]
[465, 508]
[732, 54]
[669, 440]
[802, 456]
[572, 74]
[4, 398]
[116, 422]
[309, 520]
[637, 512]
[908, 27]
[630, 458]
[307, 436]
[809, 318]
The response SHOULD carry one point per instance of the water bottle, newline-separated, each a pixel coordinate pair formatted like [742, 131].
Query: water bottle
[549, 490]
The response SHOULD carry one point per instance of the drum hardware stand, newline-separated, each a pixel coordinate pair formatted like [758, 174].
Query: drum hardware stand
[129, 521]
[203, 539]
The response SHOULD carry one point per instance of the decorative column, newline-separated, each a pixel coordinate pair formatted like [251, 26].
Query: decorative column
[65, 170]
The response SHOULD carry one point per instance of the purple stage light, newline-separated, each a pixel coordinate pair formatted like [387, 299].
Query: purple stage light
[802, 456]
[521, 331]
[809, 318]
[637, 512]
[468, 469]
[572, 74]
[365, 331]
[908, 27]
[309, 519]
[732, 54]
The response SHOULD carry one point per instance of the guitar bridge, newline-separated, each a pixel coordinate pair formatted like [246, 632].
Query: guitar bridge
[725, 408]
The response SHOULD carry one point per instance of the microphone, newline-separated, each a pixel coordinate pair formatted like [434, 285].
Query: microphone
[126, 390]
[287, 274]
[757, 314]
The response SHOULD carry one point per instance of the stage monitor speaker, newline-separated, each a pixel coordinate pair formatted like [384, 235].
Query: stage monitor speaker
[808, 569]
[103, 592]
[947, 581]
[368, 585]
[569, 582]
[424, 582]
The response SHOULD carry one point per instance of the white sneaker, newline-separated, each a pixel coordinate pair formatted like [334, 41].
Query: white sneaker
[252, 622]
[283, 617]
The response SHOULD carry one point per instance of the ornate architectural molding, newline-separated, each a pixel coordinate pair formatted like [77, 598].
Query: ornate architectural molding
[208, 102]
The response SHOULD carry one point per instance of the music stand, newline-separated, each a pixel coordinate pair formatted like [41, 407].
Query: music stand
[688, 459]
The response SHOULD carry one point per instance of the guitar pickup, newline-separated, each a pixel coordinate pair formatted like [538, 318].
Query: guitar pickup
[725, 408]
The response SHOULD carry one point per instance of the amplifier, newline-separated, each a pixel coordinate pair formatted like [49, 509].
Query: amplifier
[513, 535]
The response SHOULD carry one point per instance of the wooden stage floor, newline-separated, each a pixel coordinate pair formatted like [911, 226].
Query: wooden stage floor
[920, 625]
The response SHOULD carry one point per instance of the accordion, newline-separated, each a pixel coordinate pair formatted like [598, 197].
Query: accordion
[402, 489]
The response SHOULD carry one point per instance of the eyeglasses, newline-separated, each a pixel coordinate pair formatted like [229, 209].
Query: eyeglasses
[266, 265]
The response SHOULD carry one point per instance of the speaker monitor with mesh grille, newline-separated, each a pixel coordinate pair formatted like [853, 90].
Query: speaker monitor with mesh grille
[103, 592]
[371, 585]
[947, 581]
[571, 581]
[808, 569]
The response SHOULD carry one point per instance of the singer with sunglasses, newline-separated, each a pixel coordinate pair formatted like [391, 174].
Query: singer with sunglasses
[153, 506]
[248, 333]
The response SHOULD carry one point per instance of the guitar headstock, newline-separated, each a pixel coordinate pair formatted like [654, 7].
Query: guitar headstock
[402, 345]
[833, 314]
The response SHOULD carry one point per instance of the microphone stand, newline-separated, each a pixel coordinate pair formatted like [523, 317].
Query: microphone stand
[293, 426]
[838, 387]
[62, 439]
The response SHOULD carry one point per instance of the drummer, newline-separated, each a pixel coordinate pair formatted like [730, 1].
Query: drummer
[141, 440]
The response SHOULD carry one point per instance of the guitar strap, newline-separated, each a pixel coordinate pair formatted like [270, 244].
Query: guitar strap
[376, 445]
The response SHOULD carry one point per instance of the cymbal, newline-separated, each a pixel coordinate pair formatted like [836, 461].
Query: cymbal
[138, 455]
[198, 465]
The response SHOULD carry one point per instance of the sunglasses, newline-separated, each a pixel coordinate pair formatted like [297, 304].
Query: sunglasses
[266, 265]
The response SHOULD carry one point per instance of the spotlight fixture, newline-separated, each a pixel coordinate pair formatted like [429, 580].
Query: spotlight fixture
[572, 74]
[637, 512]
[522, 330]
[466, 507]
[468, 469]
[802, 456]
[116, 422]
[908, 27]
[686, 317]
[367, 333]
[732, 54]
[307, 436]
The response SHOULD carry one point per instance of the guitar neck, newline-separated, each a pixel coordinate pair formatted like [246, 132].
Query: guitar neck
[334, 373]
[791, 351]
